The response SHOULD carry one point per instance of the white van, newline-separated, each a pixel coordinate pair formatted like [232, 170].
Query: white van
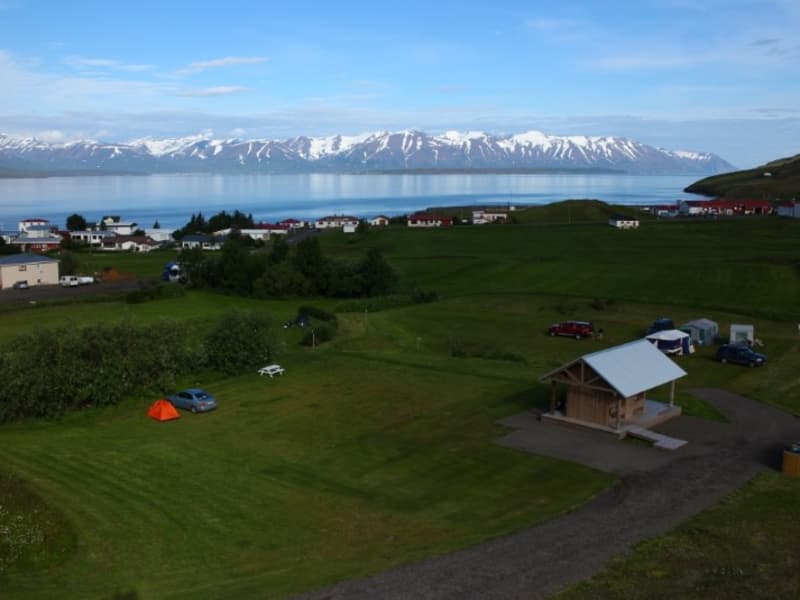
[68, 281]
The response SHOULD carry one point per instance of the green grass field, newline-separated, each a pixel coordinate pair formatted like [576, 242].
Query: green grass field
[377, 448]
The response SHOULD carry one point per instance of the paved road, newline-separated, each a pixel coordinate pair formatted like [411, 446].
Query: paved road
[539, 561]
[47, 293]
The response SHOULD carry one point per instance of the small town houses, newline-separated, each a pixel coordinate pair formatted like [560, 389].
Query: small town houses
[721, 207]
[623, 222]
[488, 215]
[789, 209]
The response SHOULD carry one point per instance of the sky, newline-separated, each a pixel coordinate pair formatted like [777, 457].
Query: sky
[720, 76]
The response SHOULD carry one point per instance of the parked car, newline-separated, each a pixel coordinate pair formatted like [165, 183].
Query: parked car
[85, 279]
[661, 324]
[20, 285]
[193, 399]
[741, 355]
[68, 281]
[576, 329]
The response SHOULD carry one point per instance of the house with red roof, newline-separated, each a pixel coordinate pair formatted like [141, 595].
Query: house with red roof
[723, 207]
[429, 220]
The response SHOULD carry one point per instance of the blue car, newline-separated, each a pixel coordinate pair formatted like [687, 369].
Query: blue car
[194, 399]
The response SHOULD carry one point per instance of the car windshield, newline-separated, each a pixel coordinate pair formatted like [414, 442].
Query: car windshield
[201, 396]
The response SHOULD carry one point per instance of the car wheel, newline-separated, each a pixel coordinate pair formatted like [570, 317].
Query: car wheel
[723, 360]
[194, 409]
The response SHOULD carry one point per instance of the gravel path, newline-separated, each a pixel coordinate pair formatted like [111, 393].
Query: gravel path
[539, 561]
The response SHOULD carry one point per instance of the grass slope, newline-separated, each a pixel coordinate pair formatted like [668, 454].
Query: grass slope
[782, 183]
[377, 449]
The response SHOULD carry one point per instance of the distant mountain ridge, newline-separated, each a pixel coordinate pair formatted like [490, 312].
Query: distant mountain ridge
[377, 151]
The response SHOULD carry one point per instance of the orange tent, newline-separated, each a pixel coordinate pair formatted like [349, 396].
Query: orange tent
[162, 410]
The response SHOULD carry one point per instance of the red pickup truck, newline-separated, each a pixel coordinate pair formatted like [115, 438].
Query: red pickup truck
[576, 329]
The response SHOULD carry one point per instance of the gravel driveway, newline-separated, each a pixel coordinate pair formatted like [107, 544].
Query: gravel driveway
[537, 562]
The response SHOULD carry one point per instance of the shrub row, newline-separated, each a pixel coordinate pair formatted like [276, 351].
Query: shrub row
[51, 371]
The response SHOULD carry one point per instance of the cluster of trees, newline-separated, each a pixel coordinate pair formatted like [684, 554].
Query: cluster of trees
[284, 272]
[51, 371]
[223, 220]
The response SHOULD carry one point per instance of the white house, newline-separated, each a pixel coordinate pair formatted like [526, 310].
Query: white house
[206, 242]
[623, 222]
[26, 224]
[253, 233]
[37, 238]
[92, 238]
[294, 223]
[31, 268]
[335, 222]
[162, 236]
[349, 228]
[789, 209]
[130, 243]
[116, 225]
[482, 217]
[379, 221]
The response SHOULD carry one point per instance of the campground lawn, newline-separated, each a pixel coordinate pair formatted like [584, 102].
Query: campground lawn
[377, 448]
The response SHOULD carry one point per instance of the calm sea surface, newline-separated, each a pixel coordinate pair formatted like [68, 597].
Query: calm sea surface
[171, 199]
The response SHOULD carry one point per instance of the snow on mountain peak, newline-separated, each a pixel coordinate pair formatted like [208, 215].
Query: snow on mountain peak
[161, 147]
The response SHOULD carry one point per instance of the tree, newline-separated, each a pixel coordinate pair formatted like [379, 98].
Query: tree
[76, 222]
[139, 232]
[377, 276]
[279, 250]
[238, 341]
[69, 264]
[362, 226]
[156, 225]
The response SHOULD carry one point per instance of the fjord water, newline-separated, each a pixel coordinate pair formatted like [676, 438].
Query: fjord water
[170, 199]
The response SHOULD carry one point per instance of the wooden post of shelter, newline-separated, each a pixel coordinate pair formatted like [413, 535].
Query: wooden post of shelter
[672, 393]
[552, 396]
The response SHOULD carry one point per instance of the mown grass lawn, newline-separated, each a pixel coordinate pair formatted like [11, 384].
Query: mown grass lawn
[343, 466]
[375, 449]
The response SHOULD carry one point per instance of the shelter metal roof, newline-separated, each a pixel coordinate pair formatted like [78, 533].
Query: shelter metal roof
[634, 367]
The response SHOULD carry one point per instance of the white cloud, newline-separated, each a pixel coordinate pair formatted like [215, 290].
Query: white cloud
[80, 62]
[219, 90]
[228, 61]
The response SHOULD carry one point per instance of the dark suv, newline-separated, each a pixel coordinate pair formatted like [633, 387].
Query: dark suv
[576, 329]
[741, 355]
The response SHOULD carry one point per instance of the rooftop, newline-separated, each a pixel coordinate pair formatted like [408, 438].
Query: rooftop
[25, 259]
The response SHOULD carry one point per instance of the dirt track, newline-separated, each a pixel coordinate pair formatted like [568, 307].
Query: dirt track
[540, 561]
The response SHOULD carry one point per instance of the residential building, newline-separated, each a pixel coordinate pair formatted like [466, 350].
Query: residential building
[115, 224]
[92, 238]
[379, 221]
[488, 215]
[294, 223]
[206, 242]
[129, 243]
[162, 236]
[789, 209]
[31, 268]
[26, 224]
[623, 222]
[335, 222]
[428, 220]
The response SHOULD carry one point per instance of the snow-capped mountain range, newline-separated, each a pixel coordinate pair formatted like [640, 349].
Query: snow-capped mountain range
[378, 151]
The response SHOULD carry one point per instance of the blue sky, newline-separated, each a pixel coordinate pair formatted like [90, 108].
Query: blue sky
[711, 75]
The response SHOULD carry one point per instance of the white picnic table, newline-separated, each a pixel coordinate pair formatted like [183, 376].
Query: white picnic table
[271, 370]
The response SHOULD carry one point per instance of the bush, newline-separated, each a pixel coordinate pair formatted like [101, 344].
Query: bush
[156, 292]
[323, 332]
[240, 340]
[50, 371]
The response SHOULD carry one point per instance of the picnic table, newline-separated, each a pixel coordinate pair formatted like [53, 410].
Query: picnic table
[271, 370]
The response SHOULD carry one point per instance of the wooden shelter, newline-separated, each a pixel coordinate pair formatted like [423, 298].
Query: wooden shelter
[608, 389]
